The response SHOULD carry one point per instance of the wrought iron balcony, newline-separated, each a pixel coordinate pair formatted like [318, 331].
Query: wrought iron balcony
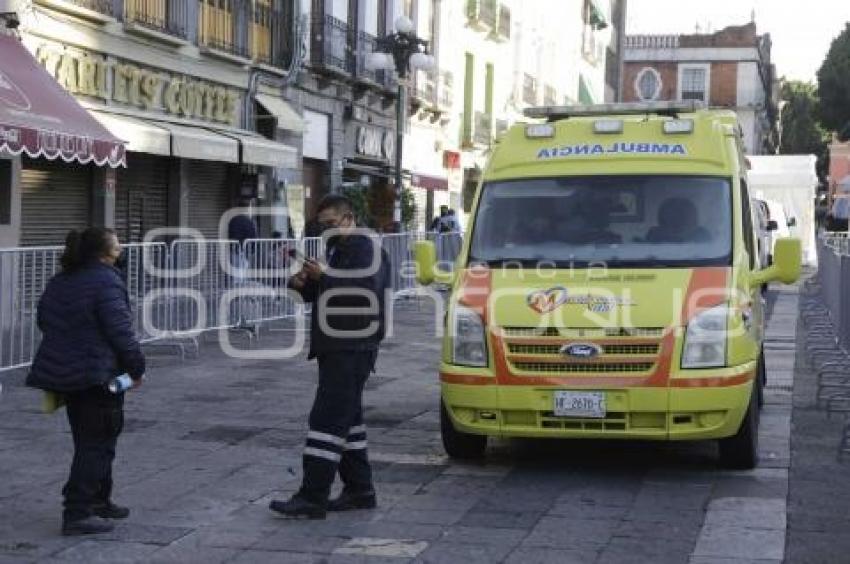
[331, 45]
[482, 14]
[223, 26]
[101, 6]
[165, 16]
[365, 46]
[425, 88]
[271, 35]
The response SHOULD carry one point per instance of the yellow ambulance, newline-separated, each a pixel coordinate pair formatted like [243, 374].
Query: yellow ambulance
[609, 284]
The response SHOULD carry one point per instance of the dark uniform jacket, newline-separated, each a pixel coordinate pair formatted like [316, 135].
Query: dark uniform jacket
[352, 253]
[88, 337]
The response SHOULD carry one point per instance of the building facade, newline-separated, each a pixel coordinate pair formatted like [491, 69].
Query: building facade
[194, 88]
[730, 69]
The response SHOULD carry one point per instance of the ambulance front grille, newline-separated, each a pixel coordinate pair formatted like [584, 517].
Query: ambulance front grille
[622, 350]
[584, 367]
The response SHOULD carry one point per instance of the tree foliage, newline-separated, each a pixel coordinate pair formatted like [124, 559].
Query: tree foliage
[801, 132]
[834, 86]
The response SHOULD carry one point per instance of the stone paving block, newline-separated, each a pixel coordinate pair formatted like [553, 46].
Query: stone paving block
[190, 554]
[147, 534]
[727, 542]
[107, 552]
[300, 541]
[453, 553]
[566, 533]
[384, 547]
[423, 516]
[715, 560]
[659, 531]
[282, 557]
[581, 510]
[461, 534]
[622, 550]
[747, 513]
[537, 555]
[501, 519]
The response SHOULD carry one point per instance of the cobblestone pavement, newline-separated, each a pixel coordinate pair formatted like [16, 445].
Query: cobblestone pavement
[209, 442]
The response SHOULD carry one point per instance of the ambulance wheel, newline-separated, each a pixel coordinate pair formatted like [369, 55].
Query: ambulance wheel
[458, 444]
[761, 378]
[740, 451]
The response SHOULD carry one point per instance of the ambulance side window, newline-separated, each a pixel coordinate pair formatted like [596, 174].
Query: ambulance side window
[746, 212]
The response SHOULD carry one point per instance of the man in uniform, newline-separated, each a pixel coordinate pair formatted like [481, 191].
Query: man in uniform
[346, 346]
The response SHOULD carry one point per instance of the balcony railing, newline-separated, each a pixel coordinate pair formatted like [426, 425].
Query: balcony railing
[271, 37]
[483, 128]
[482, 14]
[102, 6]
[331, 45]
[529, 90]
[425, 88]
[222, 25]
[166, 16]
[365, 46]
[445, 96]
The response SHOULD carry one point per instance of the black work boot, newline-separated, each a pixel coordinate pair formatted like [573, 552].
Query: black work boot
[111, 511]
[348, 500]
[298, 506]
[91, 525]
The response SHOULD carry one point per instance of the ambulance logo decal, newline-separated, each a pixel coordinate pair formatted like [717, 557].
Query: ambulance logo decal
[544, 301]
[675, 149]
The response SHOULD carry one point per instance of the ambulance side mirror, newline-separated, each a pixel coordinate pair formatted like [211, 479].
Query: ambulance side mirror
[787, 264]
[427, 271]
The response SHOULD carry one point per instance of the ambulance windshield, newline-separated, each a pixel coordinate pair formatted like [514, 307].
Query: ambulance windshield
[626, 221]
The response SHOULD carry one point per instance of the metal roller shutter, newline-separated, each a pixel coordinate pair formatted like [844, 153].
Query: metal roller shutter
[209, 195]
[141, 196]
[55, 198]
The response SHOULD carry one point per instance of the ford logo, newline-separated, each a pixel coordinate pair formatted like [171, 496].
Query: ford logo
[581, 350]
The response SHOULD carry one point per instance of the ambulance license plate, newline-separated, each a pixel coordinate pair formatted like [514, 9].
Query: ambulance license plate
[579, 404]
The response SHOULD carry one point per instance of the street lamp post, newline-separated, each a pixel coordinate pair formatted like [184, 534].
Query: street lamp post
[401, 51]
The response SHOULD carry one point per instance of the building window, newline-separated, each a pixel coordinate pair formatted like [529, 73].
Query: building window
[167, 16]
[693, 82]
[219, 25]
[648, 84]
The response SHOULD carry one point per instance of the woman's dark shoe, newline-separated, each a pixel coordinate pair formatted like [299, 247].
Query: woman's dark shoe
[297, 507]
[353, 500]
[111, 511]
[87, 526]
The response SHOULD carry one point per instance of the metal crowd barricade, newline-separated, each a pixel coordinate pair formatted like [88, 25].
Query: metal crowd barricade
[201, 273]
[269, 263]
[147, 277]
[24, 273]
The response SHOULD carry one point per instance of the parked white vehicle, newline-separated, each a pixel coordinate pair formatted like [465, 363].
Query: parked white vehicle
[766, 228]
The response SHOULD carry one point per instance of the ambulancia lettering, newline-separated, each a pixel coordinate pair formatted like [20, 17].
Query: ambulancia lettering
[613, 148]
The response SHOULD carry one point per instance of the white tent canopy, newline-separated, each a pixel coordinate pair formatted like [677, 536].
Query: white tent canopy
[791, 182]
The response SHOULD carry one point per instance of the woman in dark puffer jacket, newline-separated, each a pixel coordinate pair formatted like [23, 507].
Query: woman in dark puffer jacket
[88, 340]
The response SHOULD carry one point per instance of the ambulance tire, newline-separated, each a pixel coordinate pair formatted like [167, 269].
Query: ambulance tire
[741, 450]
[457, 444]
[761, 378]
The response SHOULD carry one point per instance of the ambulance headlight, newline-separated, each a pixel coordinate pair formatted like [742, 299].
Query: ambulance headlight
[469, 347]
[705, 339]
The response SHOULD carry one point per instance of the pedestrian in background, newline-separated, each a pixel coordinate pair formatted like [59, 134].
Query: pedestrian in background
[346, 347]
[87, 342]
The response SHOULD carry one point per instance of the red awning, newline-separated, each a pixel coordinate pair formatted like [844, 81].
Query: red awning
[39, 118]
[429, 182]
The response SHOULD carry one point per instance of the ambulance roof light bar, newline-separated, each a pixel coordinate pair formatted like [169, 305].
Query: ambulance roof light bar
[662, 108]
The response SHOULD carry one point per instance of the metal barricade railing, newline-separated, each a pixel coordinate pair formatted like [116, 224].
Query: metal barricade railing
[24, 273]
[177, 290]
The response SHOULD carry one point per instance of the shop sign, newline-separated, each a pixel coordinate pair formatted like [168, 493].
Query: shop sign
[131, 85]
[374, 142]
